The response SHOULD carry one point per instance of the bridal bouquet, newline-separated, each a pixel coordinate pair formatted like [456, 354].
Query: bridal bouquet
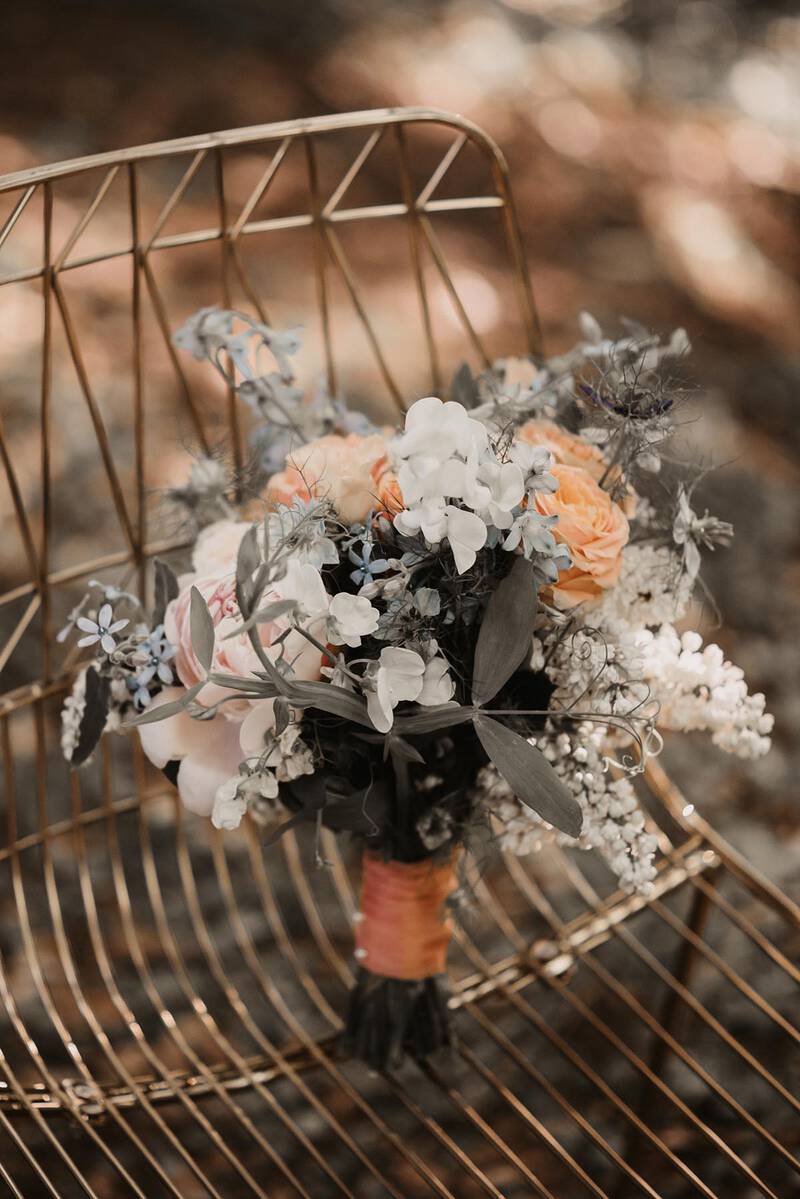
[464, 626]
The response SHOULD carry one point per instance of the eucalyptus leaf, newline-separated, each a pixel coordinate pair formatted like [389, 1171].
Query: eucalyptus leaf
[95, 714]
[399, 748]
[202, 629]
[166, 589]
[248, 559]
[261, 688]
[263, 616]
[429, 720]
[464, 389]
[265, 528]
[299, 818]
[506, 632]
[529, 775]
[274, 610]
[328, 698]
[283, 714]
[164, 711]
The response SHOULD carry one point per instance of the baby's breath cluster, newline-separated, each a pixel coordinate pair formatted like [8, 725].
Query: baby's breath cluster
[613, 822]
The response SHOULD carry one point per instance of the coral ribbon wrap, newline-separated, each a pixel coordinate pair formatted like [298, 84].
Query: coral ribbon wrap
[404, 930]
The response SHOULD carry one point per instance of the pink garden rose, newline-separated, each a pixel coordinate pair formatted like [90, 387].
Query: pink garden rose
[217, 546]
[210, 750]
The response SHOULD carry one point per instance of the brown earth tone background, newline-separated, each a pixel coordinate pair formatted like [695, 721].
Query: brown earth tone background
[655, 154]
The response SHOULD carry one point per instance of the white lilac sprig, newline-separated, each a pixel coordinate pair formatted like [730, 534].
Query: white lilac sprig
[613, 821]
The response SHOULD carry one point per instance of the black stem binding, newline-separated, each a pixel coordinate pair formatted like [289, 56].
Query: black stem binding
[388, 1018]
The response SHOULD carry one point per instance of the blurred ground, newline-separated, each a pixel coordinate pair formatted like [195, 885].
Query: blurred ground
[655, 153]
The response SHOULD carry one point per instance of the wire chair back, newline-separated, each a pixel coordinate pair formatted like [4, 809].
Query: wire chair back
[170, 998]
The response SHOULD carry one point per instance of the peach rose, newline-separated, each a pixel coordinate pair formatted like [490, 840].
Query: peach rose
[352, 472]
[574, 451]
[593, 528]
[565, 447]
[520, 372]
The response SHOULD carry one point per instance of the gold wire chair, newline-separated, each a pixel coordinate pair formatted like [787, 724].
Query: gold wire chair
[170, 997]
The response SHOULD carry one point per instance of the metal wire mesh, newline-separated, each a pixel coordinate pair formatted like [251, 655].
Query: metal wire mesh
[170, 997]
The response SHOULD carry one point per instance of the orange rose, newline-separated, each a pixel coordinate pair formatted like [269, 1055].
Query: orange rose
[520, 372]
[352, 472]
[573, 451]
[593, 528]
[565, 447]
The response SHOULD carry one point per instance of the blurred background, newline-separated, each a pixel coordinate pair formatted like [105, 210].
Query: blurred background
[655, 154]
[654, 151]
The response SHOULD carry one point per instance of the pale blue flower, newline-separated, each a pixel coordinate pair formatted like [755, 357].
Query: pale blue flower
[258, 393]
[102, 629]
[366, 568]
[532, 530]
[204, 333]
[157, 653]
[72, 620]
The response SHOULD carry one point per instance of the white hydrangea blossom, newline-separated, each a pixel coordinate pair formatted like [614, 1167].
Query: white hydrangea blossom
[350, 617]
[699, 690]
[454, 484]
[401, 675]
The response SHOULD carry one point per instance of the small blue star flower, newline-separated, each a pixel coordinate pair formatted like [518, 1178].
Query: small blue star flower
[156, 665]
[367, 569]
[102, 629]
